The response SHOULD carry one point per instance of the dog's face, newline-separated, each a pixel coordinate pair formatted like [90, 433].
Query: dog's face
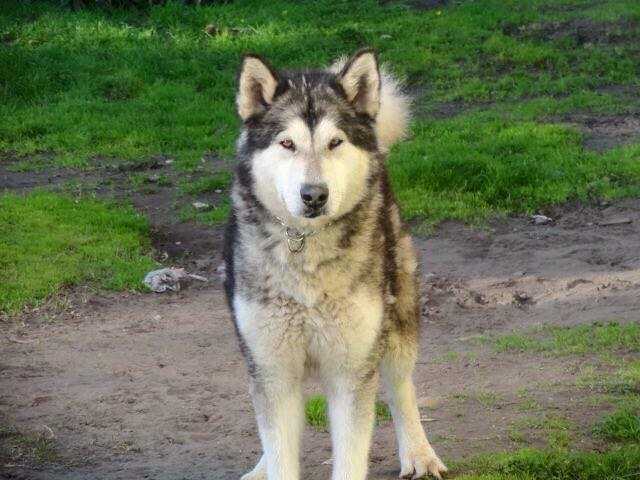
[309, 136]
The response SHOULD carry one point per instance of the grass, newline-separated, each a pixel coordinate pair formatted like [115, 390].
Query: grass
[50, 241]
[560, 460]
[19, 447]
[533, 464]
[622, 425]
[100, 85]
[213, 216]
[558, 430]
[315, 410]
[206, 184]
[580, 339]
[488, 399]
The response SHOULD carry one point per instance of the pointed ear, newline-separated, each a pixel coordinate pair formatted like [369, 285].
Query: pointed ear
[360, 79]
[256, 86]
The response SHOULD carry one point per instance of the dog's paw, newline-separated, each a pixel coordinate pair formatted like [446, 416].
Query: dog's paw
[255, 475]
[422, 462]
[259, 472]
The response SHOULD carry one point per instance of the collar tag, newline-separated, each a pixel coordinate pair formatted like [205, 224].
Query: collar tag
[295, 240]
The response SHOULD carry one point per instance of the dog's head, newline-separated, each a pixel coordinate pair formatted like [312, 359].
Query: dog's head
[310, 137]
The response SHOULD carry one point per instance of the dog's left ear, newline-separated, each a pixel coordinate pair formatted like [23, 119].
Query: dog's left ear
[256, 86]
[360, 79]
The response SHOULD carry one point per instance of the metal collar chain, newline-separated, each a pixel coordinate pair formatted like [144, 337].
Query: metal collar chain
[296, 238]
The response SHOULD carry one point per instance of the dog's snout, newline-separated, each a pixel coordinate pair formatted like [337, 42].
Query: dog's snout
[314, 195]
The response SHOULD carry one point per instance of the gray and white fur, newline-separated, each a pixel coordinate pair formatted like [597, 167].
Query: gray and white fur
[345, 306]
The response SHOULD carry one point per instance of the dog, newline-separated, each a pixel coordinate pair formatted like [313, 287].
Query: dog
[321, 274]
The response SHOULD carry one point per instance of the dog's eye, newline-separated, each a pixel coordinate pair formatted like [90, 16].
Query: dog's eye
[288, 144]
[334, 143]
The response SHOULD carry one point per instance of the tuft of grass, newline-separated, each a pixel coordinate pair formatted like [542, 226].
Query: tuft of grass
[315, 410]
[626, 379]
[621, 426]
[527, 402]
[50, 241]
[21, 447]
[558, 430]
[580, 339]
[488, 399]
[383, 414]
[216, 215]
[448, 357]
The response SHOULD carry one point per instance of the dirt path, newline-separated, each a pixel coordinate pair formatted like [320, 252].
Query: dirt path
[154, 387]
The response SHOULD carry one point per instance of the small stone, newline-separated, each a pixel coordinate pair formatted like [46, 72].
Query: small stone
[385, 36]
[218, 190]
[201, 206]
[480, 298]
[541, 219]
[522, 298]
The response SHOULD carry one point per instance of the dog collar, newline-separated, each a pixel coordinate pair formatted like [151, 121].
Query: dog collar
[296, 238]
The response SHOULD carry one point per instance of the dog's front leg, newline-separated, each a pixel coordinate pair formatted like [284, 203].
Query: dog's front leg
[351, 413]
[279, 411]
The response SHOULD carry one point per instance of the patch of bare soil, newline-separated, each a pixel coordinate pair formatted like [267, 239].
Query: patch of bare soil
[153, 385]
[581, 31]
[604, 132]
[421, 4]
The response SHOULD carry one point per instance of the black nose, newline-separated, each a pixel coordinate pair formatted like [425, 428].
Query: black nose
[314, 195]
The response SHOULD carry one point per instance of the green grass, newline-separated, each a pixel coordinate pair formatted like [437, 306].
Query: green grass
[580, 339]
[627, 378]
[315, 411]
[206, 184]
[530, 464]
[558, 431]
[49, 242]
[622, 425]
[214, 216]
[99, 86]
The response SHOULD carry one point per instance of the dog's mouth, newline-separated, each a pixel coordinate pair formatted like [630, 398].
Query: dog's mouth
[314, 212]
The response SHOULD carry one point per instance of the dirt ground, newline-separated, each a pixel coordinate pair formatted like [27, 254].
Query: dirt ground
[153, 386]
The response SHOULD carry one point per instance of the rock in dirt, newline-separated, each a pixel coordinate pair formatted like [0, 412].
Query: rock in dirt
[541, 220]
[168, 279]
[201, 206]
[522, 298]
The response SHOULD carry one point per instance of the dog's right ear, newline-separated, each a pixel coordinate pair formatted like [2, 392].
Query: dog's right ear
[256, 85]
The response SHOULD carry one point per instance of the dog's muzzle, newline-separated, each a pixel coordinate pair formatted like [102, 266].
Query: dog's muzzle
[314, 197]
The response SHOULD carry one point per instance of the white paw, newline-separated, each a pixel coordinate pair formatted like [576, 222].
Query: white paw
[421, 462]
[259, 472]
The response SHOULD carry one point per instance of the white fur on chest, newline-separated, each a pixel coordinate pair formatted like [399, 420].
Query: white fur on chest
[336, 334]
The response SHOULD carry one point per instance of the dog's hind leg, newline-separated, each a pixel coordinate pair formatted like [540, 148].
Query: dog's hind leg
[351, 414]
[417, 457]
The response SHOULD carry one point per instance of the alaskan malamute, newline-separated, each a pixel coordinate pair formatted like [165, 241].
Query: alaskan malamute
[321, 275]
